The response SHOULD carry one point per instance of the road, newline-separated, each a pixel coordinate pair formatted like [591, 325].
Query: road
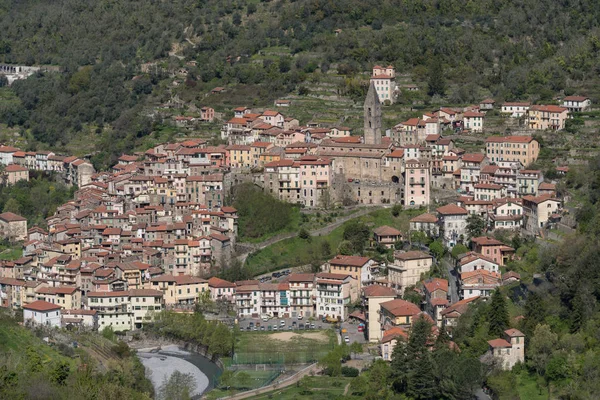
[452, 279]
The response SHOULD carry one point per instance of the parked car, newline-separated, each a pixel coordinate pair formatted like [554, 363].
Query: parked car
[347, 339]
[282, 323]
[312, 326]
[265, 317]
[262, 328]
[300, 317]
[275, 327]
[301, 326]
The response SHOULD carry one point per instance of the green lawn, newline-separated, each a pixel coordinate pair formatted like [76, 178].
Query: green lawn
[314, 388]
[294, 252]
[280, 348]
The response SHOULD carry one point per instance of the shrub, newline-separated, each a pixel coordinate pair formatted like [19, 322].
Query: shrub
[350, 372]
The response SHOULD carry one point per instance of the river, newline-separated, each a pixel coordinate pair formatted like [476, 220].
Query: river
[162, 363]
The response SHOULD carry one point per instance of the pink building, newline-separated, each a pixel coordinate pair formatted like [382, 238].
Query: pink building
[315, 179]
[416, 183]
[492, 249]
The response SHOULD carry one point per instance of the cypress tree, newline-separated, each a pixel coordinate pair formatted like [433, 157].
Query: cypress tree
[498, 314]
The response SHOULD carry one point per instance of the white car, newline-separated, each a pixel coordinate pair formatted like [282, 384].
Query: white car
[299, 317]
[265, 317]
[282, 323]
[347, 339]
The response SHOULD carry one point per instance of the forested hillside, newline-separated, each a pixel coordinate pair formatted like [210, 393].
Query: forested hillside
[532, 49]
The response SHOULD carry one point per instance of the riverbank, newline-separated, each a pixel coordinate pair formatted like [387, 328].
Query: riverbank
[162, 358]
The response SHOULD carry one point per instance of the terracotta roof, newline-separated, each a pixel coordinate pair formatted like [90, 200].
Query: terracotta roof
[512, 332]
[547, 186]
[575, 98]
[355, 261]
[399, 308]
[15, 168]
[473, 157]
[495, 343]
[452, 209]
[301, 278]
[11, 217]
[469, 274]
[472, 256]
[394, 333]
[378, 291]
[435, 284]
[411, 255]
[144, 292]
[531, 199]
[509, 139]
[516, 104]
[427, 218]
[41, 305]
[486, 241]
[387, 231]
[549, 108]
[460, 306]
[220, 283]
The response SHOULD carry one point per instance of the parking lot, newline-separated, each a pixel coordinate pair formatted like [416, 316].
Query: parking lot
[290, 324]
[353, 334]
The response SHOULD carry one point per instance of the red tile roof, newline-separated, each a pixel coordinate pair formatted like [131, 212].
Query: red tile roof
[42, 306]
[452, 209]
[400, 308]
[378, 291]
[355, 261]
[495, 343]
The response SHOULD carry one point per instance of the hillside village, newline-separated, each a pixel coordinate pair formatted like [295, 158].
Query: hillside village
[152, 233]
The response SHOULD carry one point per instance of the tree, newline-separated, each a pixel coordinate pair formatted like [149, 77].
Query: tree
[357, 233]
[243, 380]
[325, 248]
[475, 225]
[178, 386]
[458, 250]
[303, 234]
[226, 379]
[498, 314]
[436, 82]
[396, 210]
[356, 348]
[437, 249]
[358, 385]
[541, 348]
[12, 205]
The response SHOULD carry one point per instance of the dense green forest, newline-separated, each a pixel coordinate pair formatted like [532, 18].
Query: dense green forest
[531, 49]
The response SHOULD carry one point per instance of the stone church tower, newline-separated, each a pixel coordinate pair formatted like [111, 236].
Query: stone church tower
[372, 107]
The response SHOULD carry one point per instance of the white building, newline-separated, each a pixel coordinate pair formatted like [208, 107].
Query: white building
[384, 82]
[577, 103]
[453, 220]
[515, 110]
[41, 312]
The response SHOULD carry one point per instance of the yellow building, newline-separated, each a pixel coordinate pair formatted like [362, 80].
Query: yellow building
[177, 290]
[68, 297]
[524, 149]
[240, 156]
[407, 268]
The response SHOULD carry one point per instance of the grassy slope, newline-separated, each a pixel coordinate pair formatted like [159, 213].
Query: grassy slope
[15, 338]
[295, 251]
[320, 388]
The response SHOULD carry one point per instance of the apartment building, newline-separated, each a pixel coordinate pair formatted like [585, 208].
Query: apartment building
[543, 117]
[524, 149]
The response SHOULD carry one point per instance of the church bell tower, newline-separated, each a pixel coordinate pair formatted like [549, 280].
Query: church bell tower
[372, 109]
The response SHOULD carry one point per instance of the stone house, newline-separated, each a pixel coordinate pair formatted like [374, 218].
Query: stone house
[14, 173]
[508, 350]
[386, 236]
[13, 227]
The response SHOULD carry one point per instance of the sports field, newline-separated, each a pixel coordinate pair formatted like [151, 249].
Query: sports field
[282, 347]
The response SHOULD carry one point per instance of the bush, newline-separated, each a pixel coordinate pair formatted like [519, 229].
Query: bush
[350, 372]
